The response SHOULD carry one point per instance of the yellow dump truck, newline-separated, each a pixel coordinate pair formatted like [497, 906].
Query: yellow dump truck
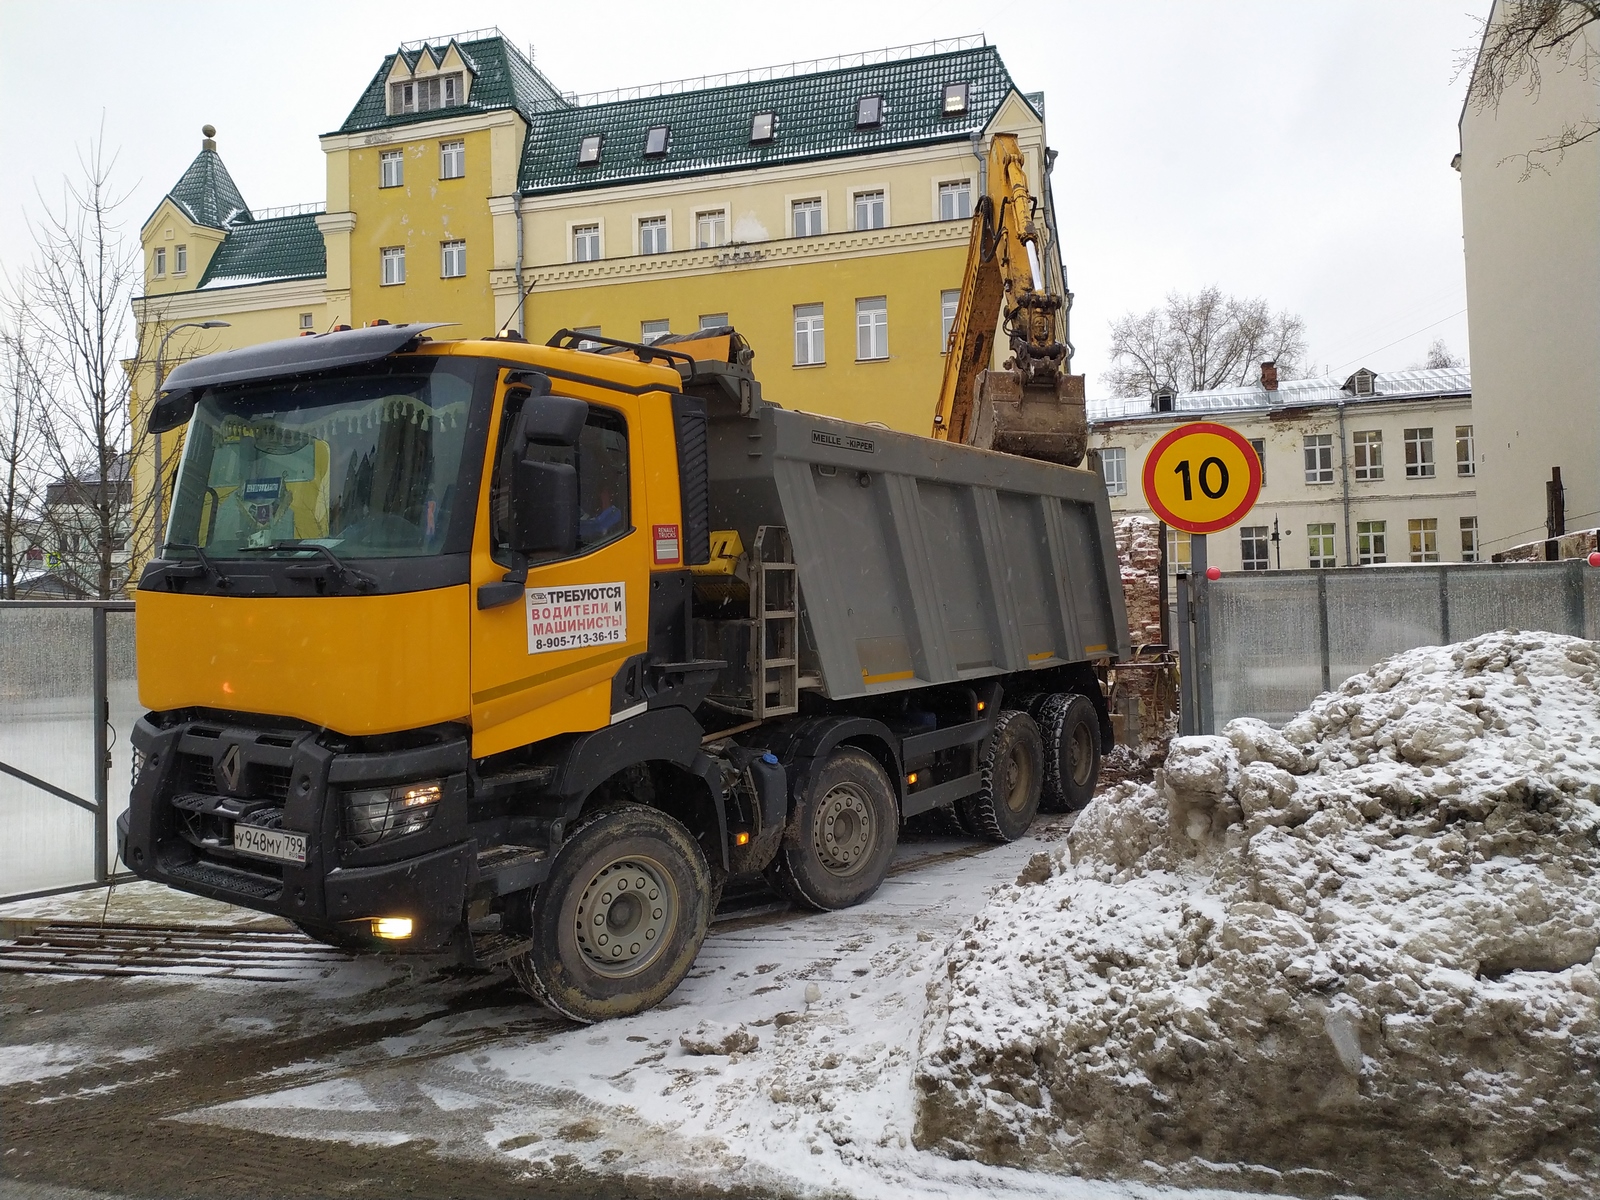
[523, 651]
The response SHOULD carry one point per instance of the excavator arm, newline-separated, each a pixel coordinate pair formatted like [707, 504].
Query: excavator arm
[1031, 406]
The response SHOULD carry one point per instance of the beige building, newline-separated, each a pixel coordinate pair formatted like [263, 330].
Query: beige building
[1531, 225]
[1369, 469]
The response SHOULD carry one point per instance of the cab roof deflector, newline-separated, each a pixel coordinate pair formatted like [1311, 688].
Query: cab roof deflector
[292, 356]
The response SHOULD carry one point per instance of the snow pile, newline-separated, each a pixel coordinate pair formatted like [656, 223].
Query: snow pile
[1355, 955]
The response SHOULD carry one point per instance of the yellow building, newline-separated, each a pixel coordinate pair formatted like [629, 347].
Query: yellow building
[822, 208]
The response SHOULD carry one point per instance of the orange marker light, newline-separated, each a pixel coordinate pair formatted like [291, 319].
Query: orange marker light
[982, 704]
[742, 838]
[911, 778]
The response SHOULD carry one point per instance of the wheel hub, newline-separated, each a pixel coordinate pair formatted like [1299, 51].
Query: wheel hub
[841, 832]
[1081, 755]
[624, 915]
[1016, 782]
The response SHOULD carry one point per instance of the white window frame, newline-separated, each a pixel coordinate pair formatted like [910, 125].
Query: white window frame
[455, 249]
[596, 330]
[771, 127]
[1259, 445]
[810, 338]
[1321, 553]
[714, 320]
[1180, 551]
[1366, 466]
[386, 160]
[158, 263]
[573, 229]
[876, 189]
[1114, 467]
[1421, 462]
[944, 187]
[1422, 539]
[1372, 542]
[1315, 474]
[453, 154]
[816, 206]
[648, 336]
[308, 321]
[1471, 549]
[180, 259]
[1255, 547]
[949, 309]
[872, 329]
[711, 214]
[392, 261]
[1465, 441]
[661, 221]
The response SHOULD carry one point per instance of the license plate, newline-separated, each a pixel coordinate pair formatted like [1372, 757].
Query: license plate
[277, 844]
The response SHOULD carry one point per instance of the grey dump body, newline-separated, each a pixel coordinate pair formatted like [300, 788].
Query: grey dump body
[918, 561]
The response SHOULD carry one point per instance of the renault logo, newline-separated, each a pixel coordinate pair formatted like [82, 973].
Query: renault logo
[230, 767]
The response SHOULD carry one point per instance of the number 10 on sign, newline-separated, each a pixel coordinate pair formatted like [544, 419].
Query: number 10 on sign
[1202, 477]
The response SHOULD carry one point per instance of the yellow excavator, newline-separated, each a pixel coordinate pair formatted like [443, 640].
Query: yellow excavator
[1031, 406]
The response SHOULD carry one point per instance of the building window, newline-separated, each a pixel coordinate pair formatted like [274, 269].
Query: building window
[1419, 453]
[306, 320]
[158, 267]
[1466, 459]
[589, 150]
[653, 235]
[869, 112]
[1319, 545]
[761, 126]
[871, 210]
[807, 217]
[1469, 539]
[180, 260]
[949, 305]
[585, 344]
[452, 160]
[585, 243]
[452, 259]
[394, 265]
[1424, 535]
[1114, 466]
[872, 328]
[711, 229]
[955, 201]
[1319, 458]
[808, 348]
[1372, 542]
[1367, 452]
[1178, 551]
[650, 331]
[655, 141]
[1253, 546]
[391, 168]
[955, 99]
[1259, 445]
[425, 95]
[713, 320]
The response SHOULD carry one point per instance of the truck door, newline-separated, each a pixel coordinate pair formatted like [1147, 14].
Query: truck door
[544, 665]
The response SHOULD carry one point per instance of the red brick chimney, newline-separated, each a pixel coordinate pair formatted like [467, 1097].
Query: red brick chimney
[1269, 376]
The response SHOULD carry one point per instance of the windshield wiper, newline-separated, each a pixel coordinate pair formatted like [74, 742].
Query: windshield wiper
[360, 580]
[197, 570]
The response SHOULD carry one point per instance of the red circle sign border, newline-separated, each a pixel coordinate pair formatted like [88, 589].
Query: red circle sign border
[1252, 494]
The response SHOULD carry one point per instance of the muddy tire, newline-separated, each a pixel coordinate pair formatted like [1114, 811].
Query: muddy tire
[619, 921]
[1012, 768]
[1070, 728]
[842, 835]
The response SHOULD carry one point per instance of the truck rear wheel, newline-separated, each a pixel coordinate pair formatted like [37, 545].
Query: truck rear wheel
[837, 850]
[1012, 768]
[1070, 727]
[619, 921]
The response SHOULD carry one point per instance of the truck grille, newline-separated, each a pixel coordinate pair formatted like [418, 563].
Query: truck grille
[264, 781]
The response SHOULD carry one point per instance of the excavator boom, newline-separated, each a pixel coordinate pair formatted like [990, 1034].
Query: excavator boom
[1032, 406]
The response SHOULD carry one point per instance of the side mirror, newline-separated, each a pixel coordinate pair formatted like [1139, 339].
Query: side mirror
[172, 410]
[539, 477]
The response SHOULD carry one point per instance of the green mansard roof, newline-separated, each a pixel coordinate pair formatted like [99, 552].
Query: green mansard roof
[272, 250]
[501, 78]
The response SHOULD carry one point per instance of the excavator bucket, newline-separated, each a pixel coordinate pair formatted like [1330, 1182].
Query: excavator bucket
[1035, 421]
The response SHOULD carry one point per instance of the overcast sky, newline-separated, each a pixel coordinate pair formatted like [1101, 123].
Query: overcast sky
[1295, 151]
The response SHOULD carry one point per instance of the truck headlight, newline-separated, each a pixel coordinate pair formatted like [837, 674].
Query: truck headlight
[375, 814]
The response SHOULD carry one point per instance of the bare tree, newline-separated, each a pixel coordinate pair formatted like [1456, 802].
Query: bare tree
[1521, 40]
[80, 291]
[22, 393]
[1207, 340]
[1438, 355]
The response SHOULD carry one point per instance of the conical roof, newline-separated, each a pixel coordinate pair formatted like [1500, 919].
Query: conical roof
[207, 193]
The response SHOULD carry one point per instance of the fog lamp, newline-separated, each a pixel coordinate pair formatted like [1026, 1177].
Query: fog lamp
[378, 813]
[393, 928]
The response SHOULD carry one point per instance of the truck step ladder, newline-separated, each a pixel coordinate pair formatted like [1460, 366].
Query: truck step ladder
[775, 610]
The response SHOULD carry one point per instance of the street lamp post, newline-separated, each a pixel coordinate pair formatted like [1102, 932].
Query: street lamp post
[161, 486]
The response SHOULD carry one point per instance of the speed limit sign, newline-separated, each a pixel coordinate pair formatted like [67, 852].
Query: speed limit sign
[1202, 477]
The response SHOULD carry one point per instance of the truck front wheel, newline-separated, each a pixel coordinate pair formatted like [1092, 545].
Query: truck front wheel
[837, 849]
[1012, 768]
[619, 921]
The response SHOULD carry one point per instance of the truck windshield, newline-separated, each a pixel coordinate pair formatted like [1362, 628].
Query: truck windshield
[366, 465]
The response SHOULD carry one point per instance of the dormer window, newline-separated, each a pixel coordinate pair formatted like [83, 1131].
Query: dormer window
[869, 112]
[655, 141]
[425, 95]
[1362, 383]
[761, 126]
[589, 150]
[955, 99]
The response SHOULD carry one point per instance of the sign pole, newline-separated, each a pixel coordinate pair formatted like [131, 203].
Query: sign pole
[1201, 601]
